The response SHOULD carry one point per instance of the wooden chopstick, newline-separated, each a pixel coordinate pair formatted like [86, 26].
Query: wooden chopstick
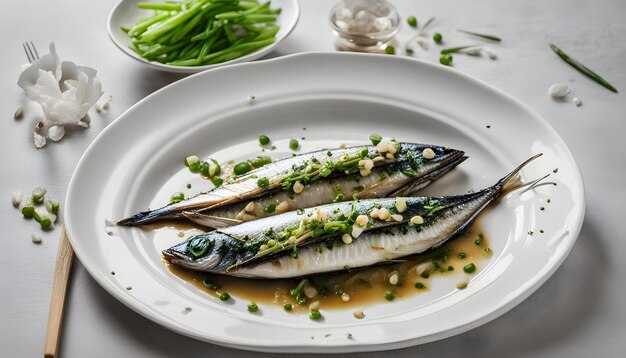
[62, 270]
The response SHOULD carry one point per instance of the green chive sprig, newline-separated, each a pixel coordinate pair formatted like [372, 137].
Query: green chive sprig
[456, 49]
[583, 69]
[484, 36]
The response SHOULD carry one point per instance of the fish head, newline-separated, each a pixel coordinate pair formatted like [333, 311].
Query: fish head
[200, 252]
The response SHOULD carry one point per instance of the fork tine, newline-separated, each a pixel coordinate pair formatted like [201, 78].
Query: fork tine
[35, 50]
[27, 53]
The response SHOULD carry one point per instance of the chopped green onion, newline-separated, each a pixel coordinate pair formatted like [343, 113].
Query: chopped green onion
[293, 144]
[263, 182]
[469, 268]
[375, 138]
[390, 50]
[389, 296]
[264, 140]
[426, 24]
[488, 37]
[425, 274]
[214, 167]
[412, 21]
[177, 198]
[437, 37]
[270, 208]
[210, 284]
[253, 307]
[224, 296]
[191, 159]
[456, 49]
[45, 223]
[315, 315]
[419, 285]
[242, 168]
[445, 60]
[583, 69]
[28, 211]
[260, 161]
[462, 255]
[287, 306]
[217, 181]
[194, 167]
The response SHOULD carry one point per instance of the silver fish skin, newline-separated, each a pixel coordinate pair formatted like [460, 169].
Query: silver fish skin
[228, 200]
[234, 251]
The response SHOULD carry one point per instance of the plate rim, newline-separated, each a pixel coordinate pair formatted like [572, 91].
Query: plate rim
[518, 296]
[196, 69]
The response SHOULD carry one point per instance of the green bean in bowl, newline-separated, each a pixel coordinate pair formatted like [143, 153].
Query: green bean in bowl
[202, 32]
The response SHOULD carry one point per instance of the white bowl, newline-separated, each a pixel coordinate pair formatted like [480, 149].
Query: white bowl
[126, 13]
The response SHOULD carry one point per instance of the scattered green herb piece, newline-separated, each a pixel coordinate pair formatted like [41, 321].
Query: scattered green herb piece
[253, 307]
[412, 21]
[409, 51]
[390, 50]
[445, 60]
[188, 186]
[478, 240]
[389, 296]
[488, 37]
[541, 231]
[224, 296]
[264, 140]
[113, 273]
[542, 208]
[469, 268]
[293, 144]
[427, 24]
[210, 284]
[270, 208]
[375, 138]
[315, 315]
[45, 223]
[242, 168]
[582, 69]
[437, 37]
[555, 170]
[263, 182]
[177, 198]
[287, 307]
[530, 233]
[28, 211]
[456, 49]
[419, 285]
[425, 274]
[260, 161]
[462, 255]
[450, 268]
[217, 181]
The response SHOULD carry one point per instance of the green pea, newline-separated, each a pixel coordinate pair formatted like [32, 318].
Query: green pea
[445, 60]
[315, 315]
[242, 168]
[437, 37]
[469, 268]
[389, 296]
[287, 306]
[425, 274]
[177, 198]
[224, 296]
[419, 285]
[28, 211]
[253, 307]
[412, 21]
[260, 161]
[264, 140]
[263, 182]
[375, 138]
[293, 144]
[390, 50]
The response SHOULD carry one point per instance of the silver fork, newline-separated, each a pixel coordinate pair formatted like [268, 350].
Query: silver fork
[31, 51]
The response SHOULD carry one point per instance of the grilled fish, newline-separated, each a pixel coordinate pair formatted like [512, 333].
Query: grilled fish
[336, 236]
[311, 179]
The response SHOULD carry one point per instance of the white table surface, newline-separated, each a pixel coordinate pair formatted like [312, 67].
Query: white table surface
[579, 312]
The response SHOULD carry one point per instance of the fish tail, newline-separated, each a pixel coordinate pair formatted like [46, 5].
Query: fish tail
[512, 180]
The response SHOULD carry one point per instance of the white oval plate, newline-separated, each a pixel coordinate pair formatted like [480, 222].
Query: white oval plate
[126, 13]
[339, 98]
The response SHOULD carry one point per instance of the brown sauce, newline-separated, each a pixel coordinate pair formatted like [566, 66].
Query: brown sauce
[365, 286]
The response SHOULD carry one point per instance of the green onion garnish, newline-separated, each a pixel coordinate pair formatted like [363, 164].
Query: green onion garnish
[583, 69]
[484, 36]
[456, 49]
